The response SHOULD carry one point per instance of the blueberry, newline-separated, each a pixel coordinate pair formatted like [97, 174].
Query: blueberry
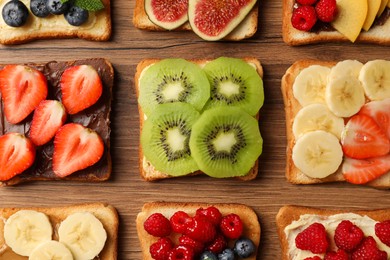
[207, 255]
[57, 7]
[244, 247]
[15, 13]
[226, 254]
[76, 16]
[39, 8]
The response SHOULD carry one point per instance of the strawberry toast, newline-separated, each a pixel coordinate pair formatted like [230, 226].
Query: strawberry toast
[47, 131]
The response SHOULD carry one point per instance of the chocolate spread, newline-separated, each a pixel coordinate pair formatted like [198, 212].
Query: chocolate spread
[96, 117]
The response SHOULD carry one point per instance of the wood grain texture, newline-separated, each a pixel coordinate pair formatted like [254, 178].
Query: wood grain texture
[128, 192]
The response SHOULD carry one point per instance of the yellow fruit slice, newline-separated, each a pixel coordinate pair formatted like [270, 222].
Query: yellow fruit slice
[373, 8]
[384, 3]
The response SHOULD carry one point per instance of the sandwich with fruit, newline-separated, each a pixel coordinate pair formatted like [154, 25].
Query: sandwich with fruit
[313, 234]
[199, 116]
[233, 20]
[26, 20]
[338, 122]
[167, 230]
[313, 21]
[83, 231]
[55, 121]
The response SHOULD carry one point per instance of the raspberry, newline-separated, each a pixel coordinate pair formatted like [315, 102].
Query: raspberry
[304, 18]
[196, 246]
[313, 238]
[160, 249]
[218, 245]
[212, 213]
[306, 2]
[157, 225]
[181, 253]
[382, 231]
[313, 258]
[326, 10]
[368, 250]
[179, 221]
[339, 255]
[348, 236]
[201, 229]
[231, 226]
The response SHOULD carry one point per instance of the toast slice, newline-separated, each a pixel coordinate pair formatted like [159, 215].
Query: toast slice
[290, 213]
[246, 29]
[379, 33]
[249, 218]
[106, 213]
[97, 28]
[96, 117]
[292, 106]
[147, 170]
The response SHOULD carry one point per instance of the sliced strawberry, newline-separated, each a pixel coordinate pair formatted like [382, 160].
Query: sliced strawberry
[81, 88]
[380, 112]
[362, 138]
[75, 148]
[22, 88]
[48, 117]
[363, 171]
[17, 153]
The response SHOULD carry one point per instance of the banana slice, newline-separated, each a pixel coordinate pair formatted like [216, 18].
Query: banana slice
[349, 68]
[317, 117]
[317, 154]
[309, 85]
[375, 77]
[25, 230]
[83, 234]
[51, 250]
[344, 96]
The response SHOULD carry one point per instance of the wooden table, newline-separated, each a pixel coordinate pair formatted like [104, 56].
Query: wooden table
[128, 192]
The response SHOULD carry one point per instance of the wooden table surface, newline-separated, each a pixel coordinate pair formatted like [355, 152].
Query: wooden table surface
[128, 192]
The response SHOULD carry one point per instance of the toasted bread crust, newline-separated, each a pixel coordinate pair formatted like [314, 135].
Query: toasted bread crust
[249, 218]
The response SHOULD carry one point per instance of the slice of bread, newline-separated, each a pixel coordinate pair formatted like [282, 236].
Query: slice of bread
[107, 214]
[147, 170]
[97, 28]
[292, 106]
[249, 218]
[290, 213]
[246, 29]
[379, 34]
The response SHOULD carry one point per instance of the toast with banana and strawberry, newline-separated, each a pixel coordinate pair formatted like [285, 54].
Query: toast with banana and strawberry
[38, 233]
[315, 21]
[199, 116]
[27, 20]
[198, 231]
[315, 233]
[338, 122]
[55, 121]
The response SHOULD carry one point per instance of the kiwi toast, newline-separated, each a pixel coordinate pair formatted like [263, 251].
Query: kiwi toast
[158, 161]
[310, 85]
[251, 226]
[291, 220]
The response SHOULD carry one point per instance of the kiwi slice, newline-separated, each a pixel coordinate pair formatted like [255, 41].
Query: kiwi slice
[165, 138]
[234, 82]
[226, 142]
[173, 80]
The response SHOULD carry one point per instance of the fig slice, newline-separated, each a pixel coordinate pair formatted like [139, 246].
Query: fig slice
[168, 14]
[214, 19]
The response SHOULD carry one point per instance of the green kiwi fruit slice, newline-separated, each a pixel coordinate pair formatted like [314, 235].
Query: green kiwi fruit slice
[173, 80]
[165, 138]
[234, 82]
[226, 142]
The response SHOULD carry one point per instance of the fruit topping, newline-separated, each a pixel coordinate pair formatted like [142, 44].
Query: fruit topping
[212, 213]
[157, 225]
[382, 231]
[160, 250]
[375, 78]
[75, 148]
[326, 10]
[313, 238]
[373, 8]
[201, 229]
[348, 236]
[380, 112]
[304, 18]
[231, 226]
[51, 250]
[17, 153]
[368, 250]
[76, 16]
[22, 89]
[365, 170]
[48, 117]
[196, 246]
[181, 252]
[313, 258]
[167, 14]
[39, 8]
[15, 13]
[81, 87]
[306, 2]
[244, 247]
[179, 221]
[207, 255]
[218, 245]
[339, 255]
[57, 6]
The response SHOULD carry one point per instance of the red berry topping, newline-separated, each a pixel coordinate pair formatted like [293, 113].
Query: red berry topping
[306, 2]
[326, 10]
[382, 231]
[196, 246]
[348, 236]
[218, 245]
[181, 253]
[313, 238]
[179, 222]
[368, 250]
[201, 229]
[313, 258]
[160, 249]
[380, 112]
[231, 226]
[304, 18]
[339, 255]
[157, 225]
[212, 213]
